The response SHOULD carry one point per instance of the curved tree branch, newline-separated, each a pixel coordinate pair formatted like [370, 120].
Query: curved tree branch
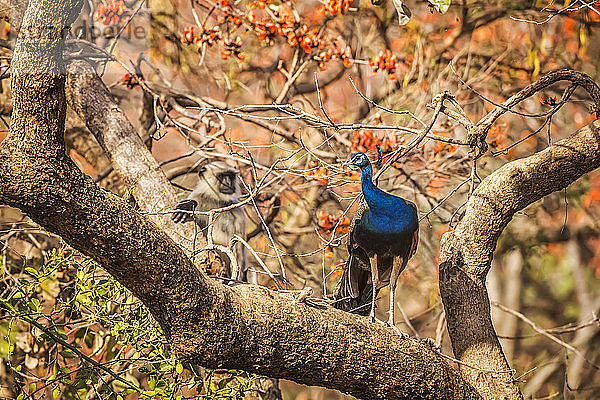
[91, 100]
[245, 327]
[466, 253]
[478, 133]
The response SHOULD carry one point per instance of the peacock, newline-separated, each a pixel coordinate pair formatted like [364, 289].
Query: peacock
[383, 236]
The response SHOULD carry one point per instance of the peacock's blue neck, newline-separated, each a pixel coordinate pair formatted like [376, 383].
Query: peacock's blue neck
[375, 197]
[370, 191]
[384, 209]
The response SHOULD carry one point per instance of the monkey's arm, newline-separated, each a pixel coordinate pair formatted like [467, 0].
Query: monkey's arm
[186, 205]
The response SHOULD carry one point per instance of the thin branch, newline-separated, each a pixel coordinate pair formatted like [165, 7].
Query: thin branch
[398, 153]
[542, 331]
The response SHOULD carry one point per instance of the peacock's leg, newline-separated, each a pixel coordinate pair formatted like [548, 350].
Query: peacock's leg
[398, 266]
[374, 282]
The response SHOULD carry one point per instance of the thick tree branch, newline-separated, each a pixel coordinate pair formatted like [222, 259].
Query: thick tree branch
[91, 100]
[516, 185]
[245, 327]
[466, 252]
[478, 133]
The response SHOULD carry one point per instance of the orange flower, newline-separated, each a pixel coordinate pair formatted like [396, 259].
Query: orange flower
[338, 268]
[113, 12]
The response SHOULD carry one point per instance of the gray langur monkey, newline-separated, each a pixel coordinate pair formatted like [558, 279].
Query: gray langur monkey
[219, 186]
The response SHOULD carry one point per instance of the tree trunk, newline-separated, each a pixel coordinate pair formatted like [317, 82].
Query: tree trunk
[244, 327]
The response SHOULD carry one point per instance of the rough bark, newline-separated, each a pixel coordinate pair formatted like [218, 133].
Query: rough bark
[466, 253]
[244, 327]
[91, 100]
[12, 11]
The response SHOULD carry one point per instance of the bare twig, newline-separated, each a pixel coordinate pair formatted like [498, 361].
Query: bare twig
[542, 331]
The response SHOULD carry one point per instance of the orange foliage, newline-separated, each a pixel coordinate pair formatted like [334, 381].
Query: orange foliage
[497, 134]
[336, 6]
[129, 80]
[327, 222]
[569, 26]
[438, 146]
[366, 141]
[270, 23]
[572, 46]
[593, 194]
[593, 16]
[338, 268]
[384, 61]
[555, 249]
[8, 31]
[436, 184]
[114, 12]
[321, 174]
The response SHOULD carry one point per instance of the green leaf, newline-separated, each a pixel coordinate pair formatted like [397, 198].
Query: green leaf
[179, 368]
[80, 384]
[166, 368]
[56, 392]
[17, 295]
[441, 6]
[65, 371]
[32, 271]
[33, 304]
[147, 394]
[32, 388]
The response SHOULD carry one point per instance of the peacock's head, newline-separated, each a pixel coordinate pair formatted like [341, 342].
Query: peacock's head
[360, 160]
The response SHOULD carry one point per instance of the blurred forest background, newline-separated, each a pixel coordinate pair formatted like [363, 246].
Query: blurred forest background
[237, 81]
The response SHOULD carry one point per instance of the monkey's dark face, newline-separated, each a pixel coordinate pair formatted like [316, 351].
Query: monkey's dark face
[227, 182]
[221, 181]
